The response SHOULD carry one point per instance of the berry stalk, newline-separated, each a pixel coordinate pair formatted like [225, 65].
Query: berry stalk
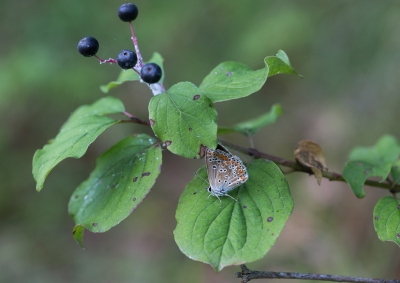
[139, 56]
[110, 60]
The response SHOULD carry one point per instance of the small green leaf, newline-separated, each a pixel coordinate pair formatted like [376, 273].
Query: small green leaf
[233, 233]
[232, 80]
[283, 56]
[278, 66]
[365, 162]
[123, 177]
[251, 127]
[385, 151]
[357, 172]
[75, 136]
[77, 233]
[130, 75]
[387, 219]
[184, 118]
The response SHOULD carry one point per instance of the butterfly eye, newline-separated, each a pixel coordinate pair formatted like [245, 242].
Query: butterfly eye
[209, 189]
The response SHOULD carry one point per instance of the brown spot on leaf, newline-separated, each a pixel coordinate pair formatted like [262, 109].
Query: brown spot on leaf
[270, 219]
[160, 167]
[114, 186]
[168, 143]
[152, 122]
[229, 74]
[190, 129]
[135, 179]
[398, 235]
[244, 206]
[197, 96]
[76, 196]
[366, 172]
[146, 174]
[134, 199]
[377, 218]
[195, 193]
[95, 224]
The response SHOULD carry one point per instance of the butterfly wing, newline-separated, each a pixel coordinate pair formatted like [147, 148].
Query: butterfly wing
[238, 173]
[225, 171]
[212, 168]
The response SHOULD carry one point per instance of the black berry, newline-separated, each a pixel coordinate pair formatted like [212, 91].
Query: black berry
[127, 59]
[128, 12]
[88, 46]
[151, 73]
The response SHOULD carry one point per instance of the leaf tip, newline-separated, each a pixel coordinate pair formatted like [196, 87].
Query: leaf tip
[77, 233]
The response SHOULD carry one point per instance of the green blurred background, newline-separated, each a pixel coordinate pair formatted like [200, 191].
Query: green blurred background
[348, 53]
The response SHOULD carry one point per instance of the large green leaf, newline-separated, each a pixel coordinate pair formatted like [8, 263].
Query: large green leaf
[231, 233]
[231, 80]
[365, 162]
[75, 136]
[123, 177]
[130, 75]
[184, 119]
[387, 219]
[251, 127]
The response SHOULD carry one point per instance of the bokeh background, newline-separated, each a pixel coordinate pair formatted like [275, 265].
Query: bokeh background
[348, 53]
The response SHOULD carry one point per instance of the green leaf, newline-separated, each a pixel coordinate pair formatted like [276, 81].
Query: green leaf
[385, 151]
[184, 119]
[283, 56]
[232, 80]
[77, 233]
[233, 233]
[387, 219]
[123, 177]
[279, 65]
[130, 75]
[75, 136]
[251, 127]
[365, 162]
[357, 172]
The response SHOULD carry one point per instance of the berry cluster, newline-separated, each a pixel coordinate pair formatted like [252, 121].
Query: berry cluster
[150, 73]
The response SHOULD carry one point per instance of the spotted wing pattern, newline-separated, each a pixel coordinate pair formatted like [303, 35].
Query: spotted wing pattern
[225, 172]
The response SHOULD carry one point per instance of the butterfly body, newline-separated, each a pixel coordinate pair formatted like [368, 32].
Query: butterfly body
[225, 172]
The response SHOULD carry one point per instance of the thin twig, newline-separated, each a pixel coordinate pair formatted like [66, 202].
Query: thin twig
[296, 167]
[248, 275]
[332, 176]
[133, 119]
